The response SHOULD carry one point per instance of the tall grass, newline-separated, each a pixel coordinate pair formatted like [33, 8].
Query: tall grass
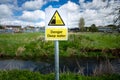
[34, 45]
[10, 43]
[28, 75]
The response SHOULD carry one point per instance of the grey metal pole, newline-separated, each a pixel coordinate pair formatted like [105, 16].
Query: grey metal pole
[56, 60]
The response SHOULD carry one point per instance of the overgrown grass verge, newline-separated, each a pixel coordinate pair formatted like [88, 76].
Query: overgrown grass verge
[28, 75]
[33, 45]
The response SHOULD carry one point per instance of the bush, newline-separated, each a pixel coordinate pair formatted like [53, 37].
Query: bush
[93, 28]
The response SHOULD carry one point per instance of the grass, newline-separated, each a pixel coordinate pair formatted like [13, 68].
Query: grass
[98, 43]
[97, 40]
[33, 45]
[10, 43]
[28, 75]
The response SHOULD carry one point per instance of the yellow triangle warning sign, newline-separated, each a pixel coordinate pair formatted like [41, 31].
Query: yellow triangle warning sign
[56, 20]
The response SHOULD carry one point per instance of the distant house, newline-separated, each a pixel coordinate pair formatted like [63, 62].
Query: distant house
[33, 29]
[118, 30]
[42, 29]
[11, 28]
[74, 30]
[29, 29]
[105, 29]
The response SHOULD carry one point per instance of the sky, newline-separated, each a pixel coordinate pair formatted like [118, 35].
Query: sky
[32, 12]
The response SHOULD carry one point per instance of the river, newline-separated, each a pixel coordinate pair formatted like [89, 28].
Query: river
[84, 66]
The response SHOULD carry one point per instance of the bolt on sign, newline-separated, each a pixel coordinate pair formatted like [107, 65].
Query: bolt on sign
[56, 26]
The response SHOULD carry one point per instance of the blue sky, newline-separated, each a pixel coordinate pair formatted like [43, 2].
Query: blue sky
[32, 12]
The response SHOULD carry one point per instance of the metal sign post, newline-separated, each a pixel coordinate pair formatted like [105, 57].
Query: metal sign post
[56, 60]
[55, 30]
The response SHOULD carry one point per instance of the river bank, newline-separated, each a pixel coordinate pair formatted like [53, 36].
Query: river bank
[28, 75]
[33, 45]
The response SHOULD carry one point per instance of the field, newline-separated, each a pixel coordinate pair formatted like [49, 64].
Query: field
[33, 45]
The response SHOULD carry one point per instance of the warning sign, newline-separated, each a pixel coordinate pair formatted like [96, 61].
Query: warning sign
[56, 20]
[56, 34]
[56, 24]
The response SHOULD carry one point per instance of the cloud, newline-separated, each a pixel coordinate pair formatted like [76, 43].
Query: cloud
[36, 15]
[81, 1]
[70, 6]
[91, 17]
[22, 23]
[95, 4]
[5, 1]
[54, 0]
[41, 24]
[11, 22]
[97, 12]
[94, 12]
[5, 11]
[33, 5]
[73, 13]
[9, 2]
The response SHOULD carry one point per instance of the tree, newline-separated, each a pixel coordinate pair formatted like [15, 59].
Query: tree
[115, 12]
[93, 28]
[81, 24]
[113, 27]
[1, 27]
[117, 16]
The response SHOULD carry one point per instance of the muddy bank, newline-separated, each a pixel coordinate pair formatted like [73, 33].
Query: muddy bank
[83, 52]
[113, 51]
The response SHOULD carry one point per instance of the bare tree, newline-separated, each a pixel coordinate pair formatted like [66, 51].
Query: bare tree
[117, 16]
[115, 12]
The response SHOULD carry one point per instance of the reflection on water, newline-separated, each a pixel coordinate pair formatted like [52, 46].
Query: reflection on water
[82, 66]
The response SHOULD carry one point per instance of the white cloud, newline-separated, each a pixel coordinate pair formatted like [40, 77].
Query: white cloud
[5, 1]
[33, 15]
[33, 5]
[11, 22]
[73, 13]
[95, 4]
[81, 1]
[92, 16]
[54, 0]
[70, 6]
[93, 12]
[96, 12]
[22, 23]
[41, 24]
[9, 2]
[5, 11]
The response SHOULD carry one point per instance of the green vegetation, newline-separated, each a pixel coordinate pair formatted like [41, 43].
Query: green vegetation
[33, 45]
[28, 75]
[93, 28]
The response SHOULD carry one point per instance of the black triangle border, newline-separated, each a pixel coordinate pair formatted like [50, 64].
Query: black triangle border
[55, 24]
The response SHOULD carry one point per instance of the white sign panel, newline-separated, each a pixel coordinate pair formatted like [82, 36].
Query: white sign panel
[56, 25]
